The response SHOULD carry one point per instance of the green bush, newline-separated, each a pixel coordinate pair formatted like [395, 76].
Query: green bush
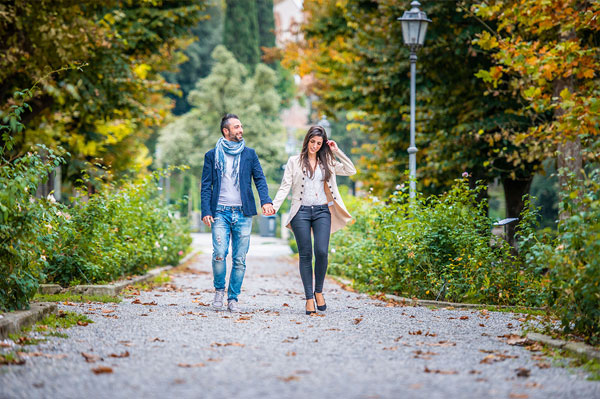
[435, 247]
[573, 261]
[25, 227]
[116, 233]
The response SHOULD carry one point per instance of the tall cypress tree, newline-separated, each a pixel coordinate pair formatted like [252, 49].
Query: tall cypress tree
[241, 35]
[266, 23]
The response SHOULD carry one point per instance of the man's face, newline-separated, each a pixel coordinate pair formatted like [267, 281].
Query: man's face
[234, 130]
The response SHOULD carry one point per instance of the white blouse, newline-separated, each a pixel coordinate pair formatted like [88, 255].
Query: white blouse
[314, 189]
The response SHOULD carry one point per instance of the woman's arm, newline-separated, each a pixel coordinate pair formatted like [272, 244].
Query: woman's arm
[343, 165]
[284, 188]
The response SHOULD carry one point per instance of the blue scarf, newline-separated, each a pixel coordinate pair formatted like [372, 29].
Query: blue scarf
[231, 148]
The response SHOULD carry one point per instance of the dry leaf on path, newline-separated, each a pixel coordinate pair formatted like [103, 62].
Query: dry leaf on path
[188, 365]
[518, 396]
[523, 372]
[357, 320]
[90, 358]
[102, 370]
[124, 354]
[447, 372]
[290, 378]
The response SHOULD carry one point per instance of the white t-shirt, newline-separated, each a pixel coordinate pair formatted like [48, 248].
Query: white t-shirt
[230, 194]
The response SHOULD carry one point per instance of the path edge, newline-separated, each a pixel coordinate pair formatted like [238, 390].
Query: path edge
[577, 348]
[112, 289]
[14, 322]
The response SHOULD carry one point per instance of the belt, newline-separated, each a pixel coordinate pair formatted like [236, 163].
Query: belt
[324, 206]
[228, 207]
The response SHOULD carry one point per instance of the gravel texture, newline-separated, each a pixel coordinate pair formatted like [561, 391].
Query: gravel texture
[359, 348]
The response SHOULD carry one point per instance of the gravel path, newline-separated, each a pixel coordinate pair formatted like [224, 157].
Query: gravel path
[358, 348]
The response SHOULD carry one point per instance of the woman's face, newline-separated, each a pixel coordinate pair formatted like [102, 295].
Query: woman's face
[314, 144]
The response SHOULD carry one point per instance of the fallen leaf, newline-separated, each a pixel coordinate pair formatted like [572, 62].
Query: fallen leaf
[523, 372]
[481, 325]
[291, 354]
[391, 348]
[156, 340]
[427, 370]
[419, 354]
[357, 320]
[227, 344]
[430, 334]
[107, 311]
[82, 323]
[543, 365]
[102, 370]
[518, 396]
[286, 305]
[187, 365]
[124, 354]
[464, 317]
[289, 378]
[90, 358]
[474, 372]
[398, 339]
[416, 386]
[419, 332]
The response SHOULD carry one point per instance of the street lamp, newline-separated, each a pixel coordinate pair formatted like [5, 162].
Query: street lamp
[324, 123]
[414, 28]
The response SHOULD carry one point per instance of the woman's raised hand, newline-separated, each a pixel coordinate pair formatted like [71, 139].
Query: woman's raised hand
[333, 145]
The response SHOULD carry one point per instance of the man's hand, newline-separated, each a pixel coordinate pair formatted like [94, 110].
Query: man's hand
[268, 209]
[208, 220]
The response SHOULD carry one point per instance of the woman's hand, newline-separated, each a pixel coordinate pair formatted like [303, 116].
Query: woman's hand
[333, 145]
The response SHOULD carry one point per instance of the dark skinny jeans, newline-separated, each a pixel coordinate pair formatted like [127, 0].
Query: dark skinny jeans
[317, 218]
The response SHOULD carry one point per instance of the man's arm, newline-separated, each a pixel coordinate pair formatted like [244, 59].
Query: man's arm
[206, 189]
[260, 181]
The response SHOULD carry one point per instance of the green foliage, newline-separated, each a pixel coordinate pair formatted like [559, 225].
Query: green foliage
[25, 226]
[115, 233]
[573, 262]
[208, 34]
[227, 89]
[105, 112]
[439, 246]
[266, 23]
[240, 33]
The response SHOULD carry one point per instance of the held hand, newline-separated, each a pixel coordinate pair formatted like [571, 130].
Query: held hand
[333, 145]
[208, 220]
[268, 209]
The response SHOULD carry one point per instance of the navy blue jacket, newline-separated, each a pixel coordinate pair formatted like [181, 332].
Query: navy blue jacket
[249, 169]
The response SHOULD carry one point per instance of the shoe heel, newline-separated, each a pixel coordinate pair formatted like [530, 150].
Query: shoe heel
[322, 307]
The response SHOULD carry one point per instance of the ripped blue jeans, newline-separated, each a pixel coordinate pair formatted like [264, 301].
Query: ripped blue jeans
[230, 223]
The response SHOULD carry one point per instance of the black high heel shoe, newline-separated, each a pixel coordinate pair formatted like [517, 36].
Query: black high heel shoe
[309, 312]
[321, 307]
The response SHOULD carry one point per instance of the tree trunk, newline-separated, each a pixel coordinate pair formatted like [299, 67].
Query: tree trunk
[569, 160]
[514, 190]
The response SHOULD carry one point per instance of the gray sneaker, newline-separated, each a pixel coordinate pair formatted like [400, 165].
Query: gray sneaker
[218, 301]
[232, 306]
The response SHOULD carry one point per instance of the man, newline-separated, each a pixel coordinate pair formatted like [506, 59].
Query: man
[228, 205]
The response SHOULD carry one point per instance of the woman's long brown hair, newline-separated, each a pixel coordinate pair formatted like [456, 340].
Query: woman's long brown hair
[324, 155]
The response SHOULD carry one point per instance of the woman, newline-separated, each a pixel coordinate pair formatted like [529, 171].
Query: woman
[316, 205]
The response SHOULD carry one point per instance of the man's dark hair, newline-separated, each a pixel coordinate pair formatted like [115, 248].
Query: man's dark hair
[225, 121]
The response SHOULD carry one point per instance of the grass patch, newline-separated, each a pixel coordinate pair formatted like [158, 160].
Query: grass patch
[517, 309]
[71, 297]
[50, 326]
[64, 320]
[10, 358]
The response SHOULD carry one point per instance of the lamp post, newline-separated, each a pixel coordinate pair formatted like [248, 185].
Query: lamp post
[324, 123]
[414, 28]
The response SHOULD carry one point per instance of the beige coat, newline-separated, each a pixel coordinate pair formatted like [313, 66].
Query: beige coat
[293, 178]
